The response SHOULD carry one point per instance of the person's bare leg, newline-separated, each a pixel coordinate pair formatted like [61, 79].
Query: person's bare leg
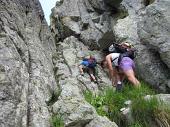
[93, 77]
[131, 77]
[91, 74]
[115, 77]
[122, 76]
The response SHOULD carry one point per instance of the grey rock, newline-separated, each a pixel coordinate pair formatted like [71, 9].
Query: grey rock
[161, 97]
[128, 103]
[90, 27]
[68, 7]
[113, 3]
[154, 29]
[98, 5]
[127, 115]
[164, 97]
[88, 6]
[26, 68]
[154, 35]
[70, 27]
[101, 122]
[32, 68]
[73, 51]
[76, 112]
[105, 5]
[95, 17]
[151, 66]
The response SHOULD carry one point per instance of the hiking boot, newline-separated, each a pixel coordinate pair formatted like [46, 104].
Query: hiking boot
[119, 87]
[93, 80]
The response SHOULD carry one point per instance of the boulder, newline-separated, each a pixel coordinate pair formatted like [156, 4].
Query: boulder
[154, 29]
[69, 61]
[26, 68]
[137, 29]
[71, 104]
[165, 98]
[101, 122]
[89, 26]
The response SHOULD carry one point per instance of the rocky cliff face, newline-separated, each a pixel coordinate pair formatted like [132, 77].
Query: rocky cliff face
[26, 69]
[71, 103]
[145, 28]
[144, 23]
[33, 71]
[39, 73]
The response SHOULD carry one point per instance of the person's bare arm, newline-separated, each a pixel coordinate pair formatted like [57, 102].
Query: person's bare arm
[112, 71]
[109, 64]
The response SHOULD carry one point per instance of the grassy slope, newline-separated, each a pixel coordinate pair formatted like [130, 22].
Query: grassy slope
[145, 113]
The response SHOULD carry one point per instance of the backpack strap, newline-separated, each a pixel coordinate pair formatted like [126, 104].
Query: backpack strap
[114, 59]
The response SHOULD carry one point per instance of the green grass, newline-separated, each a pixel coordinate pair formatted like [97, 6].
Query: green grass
[143, 111]
[108, 103]
[136, 124]
[57, 121]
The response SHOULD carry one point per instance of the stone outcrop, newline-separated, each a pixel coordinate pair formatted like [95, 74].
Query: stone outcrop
[39, 72]
[145, 29]
[71, 103]
[79, 18]
[36, 77]
[154, 33]
[163, 98]
[26, 69]
[144, 23]
[83, 26]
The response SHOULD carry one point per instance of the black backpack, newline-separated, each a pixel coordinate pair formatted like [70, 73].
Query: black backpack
[124, 52]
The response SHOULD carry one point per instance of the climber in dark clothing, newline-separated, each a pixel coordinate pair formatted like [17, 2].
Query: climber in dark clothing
[89, 65]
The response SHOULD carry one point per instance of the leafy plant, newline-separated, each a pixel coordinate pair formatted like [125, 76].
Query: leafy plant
[57, 121]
